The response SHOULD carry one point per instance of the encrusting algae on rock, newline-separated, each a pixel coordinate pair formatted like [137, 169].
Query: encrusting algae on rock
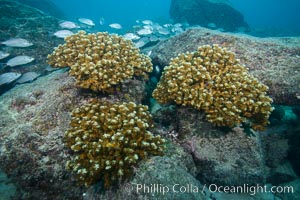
[108, 139]
[213, 80]
[100, 61]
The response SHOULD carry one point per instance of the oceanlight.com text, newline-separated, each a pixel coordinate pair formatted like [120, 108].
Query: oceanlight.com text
[213, 188]
[251, 189]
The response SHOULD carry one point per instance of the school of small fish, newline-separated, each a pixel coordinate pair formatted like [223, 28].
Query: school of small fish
[144, 33]
[10, 77]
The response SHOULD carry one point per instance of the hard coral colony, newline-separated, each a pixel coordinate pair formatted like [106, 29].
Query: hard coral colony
[108, 139]
[100, 61]
[213, 80]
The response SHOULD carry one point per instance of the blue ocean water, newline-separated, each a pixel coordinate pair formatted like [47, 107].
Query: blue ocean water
[269, 15]
[123, 12]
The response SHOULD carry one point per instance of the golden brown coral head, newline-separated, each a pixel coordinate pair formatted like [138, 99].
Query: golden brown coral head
[108, 139]
[213, 80]
[100, 61]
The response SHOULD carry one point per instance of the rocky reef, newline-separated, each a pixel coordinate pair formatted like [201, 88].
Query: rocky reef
[37, 138]
[35, 117]
[207, 13]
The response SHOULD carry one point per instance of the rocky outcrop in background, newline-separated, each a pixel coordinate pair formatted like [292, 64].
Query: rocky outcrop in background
[207, 13]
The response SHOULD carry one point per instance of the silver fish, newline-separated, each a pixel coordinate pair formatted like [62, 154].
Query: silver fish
[63, 33]
[157, 69]
[144, 31]
[147, 22]
[19, 60]
[148, 27]
[86, 21]
[131, 36]
[211, 25]
[167, 25]
[68, 25]
[142, 42]
[149, 53]
[153, 38]
[9, 77]
[164, 31]
[101, 21]
[178, 25]
[177, 30]
[28, 77]
[3, 55]
[115, 26]
[156, 26]
[17, 42]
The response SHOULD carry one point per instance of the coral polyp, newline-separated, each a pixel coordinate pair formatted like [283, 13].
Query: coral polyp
[213, 80]
[108, 139]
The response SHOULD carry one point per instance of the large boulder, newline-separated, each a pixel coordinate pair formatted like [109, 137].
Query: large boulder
[221, 157]
[208, 13]
[274, 61]
[224, 156]
[33, 120]
[167, 177]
